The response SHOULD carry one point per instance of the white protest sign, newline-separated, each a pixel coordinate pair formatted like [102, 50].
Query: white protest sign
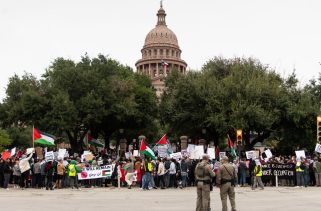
[128, 155]
[300, 153]
[61, 153]
[185, 153]
[190, 148]
[29, 150]
[250, 155]
[86, 152]
[136, 153]
[211, 153]
[96, 172]
[317, 148]
[222, 154]
[198, 152]
[13, 151]
[268, 153]
[162, 151]
[49, 156]
[176, 156]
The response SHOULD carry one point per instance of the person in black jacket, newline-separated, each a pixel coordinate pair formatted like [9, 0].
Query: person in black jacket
[1, 172]
[7, 171]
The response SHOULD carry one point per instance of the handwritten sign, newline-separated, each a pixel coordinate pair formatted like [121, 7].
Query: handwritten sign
[300, 154]
[318, 148]
[211, 153]
[49, 156]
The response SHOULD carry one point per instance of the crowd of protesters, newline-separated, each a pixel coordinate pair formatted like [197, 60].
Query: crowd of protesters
[27, 171]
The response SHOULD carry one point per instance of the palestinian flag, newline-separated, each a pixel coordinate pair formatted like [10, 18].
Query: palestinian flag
[43, 138]
[94, 142]
[231, 145]
[145, 150]
[162, 141]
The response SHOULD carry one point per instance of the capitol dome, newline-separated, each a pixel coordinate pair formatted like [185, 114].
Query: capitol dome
[161, 35]
[160, 54]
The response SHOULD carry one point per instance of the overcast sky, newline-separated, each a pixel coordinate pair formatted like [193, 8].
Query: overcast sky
[285, 34]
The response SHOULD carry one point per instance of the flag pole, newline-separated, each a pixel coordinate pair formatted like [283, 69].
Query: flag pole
[33, 141]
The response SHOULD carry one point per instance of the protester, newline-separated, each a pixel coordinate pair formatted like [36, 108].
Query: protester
[161, 173]
[184, 172]
[7, 171]
[299, 167]
[130, 173]
[257, 175]
[147, 173]
[72, 173]
[317, 170]
[37, 174]
[16, 174]
[49, 170]
[60, 173]
[24, 166]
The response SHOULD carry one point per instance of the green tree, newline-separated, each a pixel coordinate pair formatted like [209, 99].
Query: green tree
[98, 94]
[4, 140]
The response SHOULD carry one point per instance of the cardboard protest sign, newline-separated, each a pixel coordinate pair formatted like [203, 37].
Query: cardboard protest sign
[198, 152]
[136, 153]
[318, 148]
[176, 156]
[222, 154]
[13, 151]
[162, 151]
[250, 155]
[29, 150]
[89, 157]
[61, 153]
[190, 148]
[211, 153]
[268, 153]
[39, 152]
[49, 156]
[185, 153]
[300, 153]
[128, 155]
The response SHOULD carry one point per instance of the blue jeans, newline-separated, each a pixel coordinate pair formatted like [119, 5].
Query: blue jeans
[242, 177]
[146, 179]
[184, 179]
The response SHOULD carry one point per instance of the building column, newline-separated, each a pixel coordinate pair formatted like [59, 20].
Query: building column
[157, 70]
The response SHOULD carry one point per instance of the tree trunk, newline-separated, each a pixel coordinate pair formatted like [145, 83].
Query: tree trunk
[107, 135]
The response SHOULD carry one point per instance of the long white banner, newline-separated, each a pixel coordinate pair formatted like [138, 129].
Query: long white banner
[96, 172]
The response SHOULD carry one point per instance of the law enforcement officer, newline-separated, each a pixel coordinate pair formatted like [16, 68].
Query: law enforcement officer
[225, 179]
[203, 175]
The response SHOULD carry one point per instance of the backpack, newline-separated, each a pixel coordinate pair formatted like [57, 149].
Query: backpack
[200, 170]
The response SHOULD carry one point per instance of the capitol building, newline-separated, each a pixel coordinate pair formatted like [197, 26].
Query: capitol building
[160, 54]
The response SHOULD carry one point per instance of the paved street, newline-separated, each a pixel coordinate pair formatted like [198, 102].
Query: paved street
[276, 199]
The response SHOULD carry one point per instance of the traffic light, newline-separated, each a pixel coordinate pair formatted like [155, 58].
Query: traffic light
[239, 138]
[319, 129]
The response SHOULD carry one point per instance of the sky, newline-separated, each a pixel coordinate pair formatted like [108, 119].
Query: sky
[284, 34]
